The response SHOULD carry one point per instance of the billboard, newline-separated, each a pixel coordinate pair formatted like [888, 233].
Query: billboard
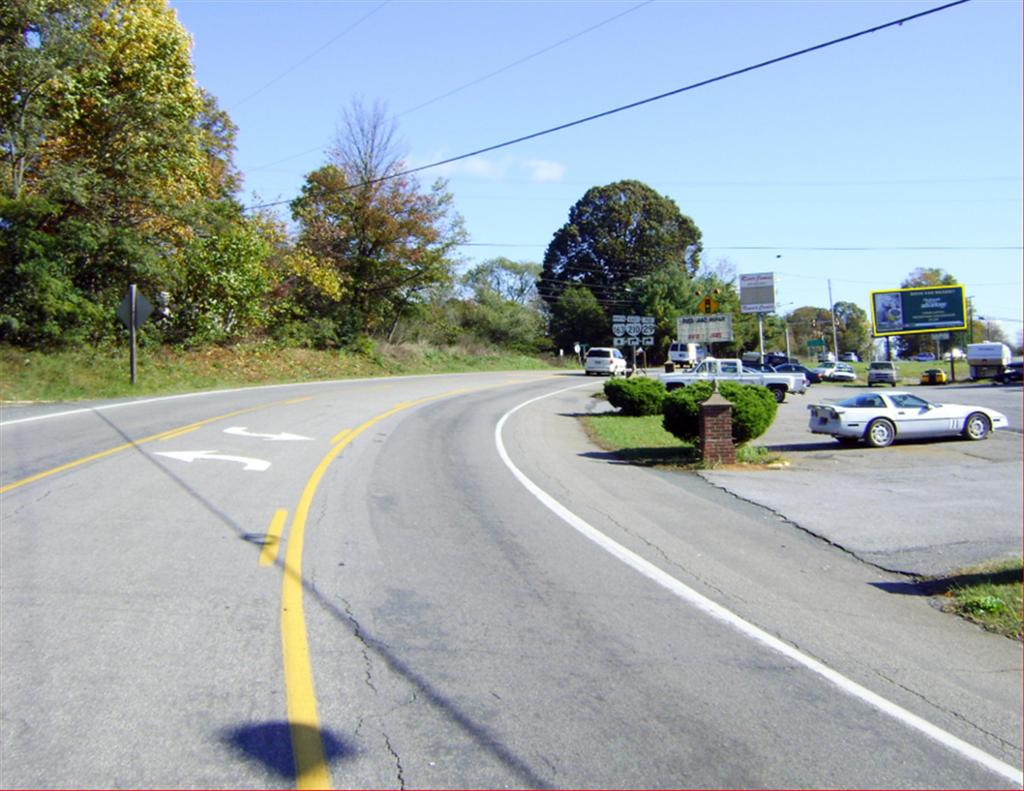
[757, 293]
[906, 311]
[705, 328]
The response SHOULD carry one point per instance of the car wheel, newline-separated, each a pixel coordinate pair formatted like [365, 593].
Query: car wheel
[779, 393]
[976, 426]
[880, 433]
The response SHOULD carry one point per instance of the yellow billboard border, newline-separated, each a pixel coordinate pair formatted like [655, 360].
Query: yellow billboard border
[874, 323]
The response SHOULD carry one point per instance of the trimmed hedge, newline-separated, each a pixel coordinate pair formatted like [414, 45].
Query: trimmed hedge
[753, 410]
[636, 396]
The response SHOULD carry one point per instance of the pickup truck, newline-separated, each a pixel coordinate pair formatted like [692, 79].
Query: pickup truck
[730, 370]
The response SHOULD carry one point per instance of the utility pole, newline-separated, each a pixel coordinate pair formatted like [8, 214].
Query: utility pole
[832, 310]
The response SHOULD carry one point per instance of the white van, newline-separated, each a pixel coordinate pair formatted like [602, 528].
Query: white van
[686, 355]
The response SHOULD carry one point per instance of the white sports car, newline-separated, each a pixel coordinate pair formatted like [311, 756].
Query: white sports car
[880, 418]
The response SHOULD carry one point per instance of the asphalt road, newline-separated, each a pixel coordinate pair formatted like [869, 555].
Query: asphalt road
[462, 595]
[928, 508]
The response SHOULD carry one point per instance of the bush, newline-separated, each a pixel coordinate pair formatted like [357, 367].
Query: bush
[753, 410]
[637, 396]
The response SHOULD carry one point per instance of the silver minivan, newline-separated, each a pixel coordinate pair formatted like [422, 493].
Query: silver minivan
[882, 372]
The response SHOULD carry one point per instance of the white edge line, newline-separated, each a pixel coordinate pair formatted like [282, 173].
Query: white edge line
[157, 399]
[720, 613]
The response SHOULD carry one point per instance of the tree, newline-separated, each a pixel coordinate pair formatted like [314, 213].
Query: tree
[616, 236]
[114, 158]
[853, 329]
[514, 281]
[371, 232]
[578, 317]
[504, 309]
[809, 323]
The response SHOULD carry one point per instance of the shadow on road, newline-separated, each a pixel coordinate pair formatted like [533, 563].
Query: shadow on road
[941, 585]
[270, 744]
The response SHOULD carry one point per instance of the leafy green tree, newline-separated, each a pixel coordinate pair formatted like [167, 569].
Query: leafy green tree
[616, 236]
[375, 240]
[514, 281]
[809, 323]
[115, 159]
[853, 329]
[578, 317]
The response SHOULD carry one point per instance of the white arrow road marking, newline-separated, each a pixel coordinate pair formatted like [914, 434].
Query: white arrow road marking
[242, 431]
[189, 456]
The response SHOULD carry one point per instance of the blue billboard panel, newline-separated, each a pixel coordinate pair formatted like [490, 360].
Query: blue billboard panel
[905, 311]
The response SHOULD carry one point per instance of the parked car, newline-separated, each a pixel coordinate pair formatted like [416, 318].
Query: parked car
[795, 368]
[879, 418]
[836, 372]
[604, 360]
[1011, 373]
[849, 357]
[933, 376]
[882, 372]
[923, 357]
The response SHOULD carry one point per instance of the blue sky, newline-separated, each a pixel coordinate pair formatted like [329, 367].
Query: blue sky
[910, 137]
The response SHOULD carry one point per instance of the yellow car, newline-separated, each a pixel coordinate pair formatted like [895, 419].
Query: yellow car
[933, 376]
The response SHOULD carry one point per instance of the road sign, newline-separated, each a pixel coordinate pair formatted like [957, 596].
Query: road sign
[708, 305]
[143, 309]
[632, 330]
[815, 343]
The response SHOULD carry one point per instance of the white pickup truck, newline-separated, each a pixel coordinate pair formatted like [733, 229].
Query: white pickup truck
[730, 370]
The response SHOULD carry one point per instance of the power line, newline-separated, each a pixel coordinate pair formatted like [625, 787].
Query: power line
[309, 57]
[633, 105]
[468, 84]
[525, 59]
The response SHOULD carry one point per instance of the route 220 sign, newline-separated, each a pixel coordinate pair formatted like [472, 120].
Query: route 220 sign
[636, 331]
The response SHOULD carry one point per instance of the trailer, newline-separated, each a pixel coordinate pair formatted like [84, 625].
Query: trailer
[987, 360]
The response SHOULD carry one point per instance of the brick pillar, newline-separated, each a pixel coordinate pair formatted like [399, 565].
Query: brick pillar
[716, 444]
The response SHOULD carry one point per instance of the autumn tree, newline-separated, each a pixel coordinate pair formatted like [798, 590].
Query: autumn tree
[114, 160]
[853, 329]
[371, 241]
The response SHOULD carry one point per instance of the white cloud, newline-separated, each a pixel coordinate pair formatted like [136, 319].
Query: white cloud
[543, 170]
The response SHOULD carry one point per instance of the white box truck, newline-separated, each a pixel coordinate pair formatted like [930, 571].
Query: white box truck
[987, 360]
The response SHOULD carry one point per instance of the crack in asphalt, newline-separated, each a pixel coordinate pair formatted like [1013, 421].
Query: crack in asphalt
[668, 560]
[357, 632]
[949, 712]
[806, 530]
[398, 761]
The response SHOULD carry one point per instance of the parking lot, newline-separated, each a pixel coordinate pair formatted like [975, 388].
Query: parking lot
[925, 508]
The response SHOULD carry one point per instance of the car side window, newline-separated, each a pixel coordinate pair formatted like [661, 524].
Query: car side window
[730, 368]
[907, 401]
[871, 401]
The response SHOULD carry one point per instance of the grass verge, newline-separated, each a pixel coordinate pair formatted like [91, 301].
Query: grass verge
[77, 374]
[988, 595]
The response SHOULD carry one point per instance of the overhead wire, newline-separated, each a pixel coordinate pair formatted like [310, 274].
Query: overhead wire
[309, 57]
[633, 105]
[478, 80]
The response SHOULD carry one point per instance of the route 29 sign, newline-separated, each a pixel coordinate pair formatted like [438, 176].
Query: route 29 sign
[634, 331]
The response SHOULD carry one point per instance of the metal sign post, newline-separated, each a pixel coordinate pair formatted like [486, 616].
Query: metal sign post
[133, 312]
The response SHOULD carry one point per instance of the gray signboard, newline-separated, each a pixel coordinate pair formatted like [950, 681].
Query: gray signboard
[906, 311]
[705, 328]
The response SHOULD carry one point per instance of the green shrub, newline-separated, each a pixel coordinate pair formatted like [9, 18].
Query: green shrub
[637, 396]
[753, 410]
